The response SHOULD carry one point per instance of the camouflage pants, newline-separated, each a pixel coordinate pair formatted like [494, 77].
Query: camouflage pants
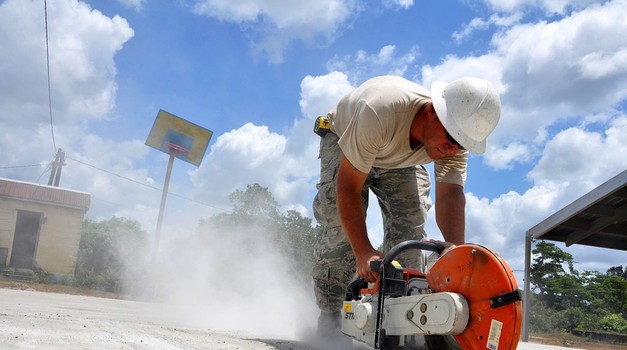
[403, 196]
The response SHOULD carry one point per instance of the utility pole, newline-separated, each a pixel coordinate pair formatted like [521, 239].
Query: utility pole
[57, 167]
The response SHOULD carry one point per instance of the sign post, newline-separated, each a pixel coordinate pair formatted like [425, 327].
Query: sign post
[179, 139]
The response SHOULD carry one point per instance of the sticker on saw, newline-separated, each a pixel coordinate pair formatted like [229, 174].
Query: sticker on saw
[495, 335]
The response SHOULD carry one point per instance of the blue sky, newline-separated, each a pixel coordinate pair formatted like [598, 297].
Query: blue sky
[257, 73]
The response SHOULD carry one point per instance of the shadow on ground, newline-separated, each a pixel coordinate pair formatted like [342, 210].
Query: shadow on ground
[280, 344]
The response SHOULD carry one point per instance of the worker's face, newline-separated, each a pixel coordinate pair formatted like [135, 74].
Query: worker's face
[438, 143]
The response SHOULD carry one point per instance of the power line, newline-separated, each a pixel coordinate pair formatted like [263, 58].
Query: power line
[20, 166]
[30, 166]
[147, 185]
[54, 143]
[112, 173]
[45, 170]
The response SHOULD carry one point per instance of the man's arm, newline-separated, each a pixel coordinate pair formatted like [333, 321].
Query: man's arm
[449, 211]
[350, 182]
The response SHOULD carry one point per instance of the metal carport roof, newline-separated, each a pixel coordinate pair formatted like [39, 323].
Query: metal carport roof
[598, 218]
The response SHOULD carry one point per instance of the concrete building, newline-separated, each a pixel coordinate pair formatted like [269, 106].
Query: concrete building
[40, 227]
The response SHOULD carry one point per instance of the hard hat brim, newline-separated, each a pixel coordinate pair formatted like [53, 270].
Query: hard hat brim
[439, 104]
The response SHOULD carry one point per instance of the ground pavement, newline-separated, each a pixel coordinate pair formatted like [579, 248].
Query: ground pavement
[38, 320]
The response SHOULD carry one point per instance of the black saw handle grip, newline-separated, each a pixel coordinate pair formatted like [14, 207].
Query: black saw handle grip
[415, 244]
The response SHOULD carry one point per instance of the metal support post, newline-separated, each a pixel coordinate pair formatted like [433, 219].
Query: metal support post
[164, 195]
[526, 300]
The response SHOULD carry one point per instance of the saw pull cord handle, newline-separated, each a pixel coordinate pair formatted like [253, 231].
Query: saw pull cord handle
[354, 287]
[387, 261]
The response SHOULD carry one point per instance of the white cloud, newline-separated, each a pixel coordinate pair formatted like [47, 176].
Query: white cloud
[583, 158]
[320, 94]
[274, 24]
[255, 143]
[252, 149]
[598, 65]
[500, 221]
[504, 158]
[84, 165]
[82, 43]
[285, 163]
[573, 163]
[254, 154]
[550, 7]
[474, 25]
[549, 65]
[136, 5]
[403, 4]
[481, 24]
[549, 71]
[488, 66]
[363, 65]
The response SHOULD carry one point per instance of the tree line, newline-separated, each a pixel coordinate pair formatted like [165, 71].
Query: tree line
[566, 299]
[115, 254]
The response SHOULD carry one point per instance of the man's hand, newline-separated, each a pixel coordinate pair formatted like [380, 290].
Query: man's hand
[363, 265]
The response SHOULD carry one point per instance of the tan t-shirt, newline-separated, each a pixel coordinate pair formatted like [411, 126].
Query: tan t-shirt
[373, 123]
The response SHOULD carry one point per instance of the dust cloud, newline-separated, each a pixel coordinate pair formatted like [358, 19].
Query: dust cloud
[231, 281]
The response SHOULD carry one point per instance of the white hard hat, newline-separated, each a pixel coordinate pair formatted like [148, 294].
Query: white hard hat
[469, 108]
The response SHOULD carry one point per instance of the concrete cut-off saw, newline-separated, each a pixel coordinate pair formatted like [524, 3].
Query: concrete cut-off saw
[468, 299]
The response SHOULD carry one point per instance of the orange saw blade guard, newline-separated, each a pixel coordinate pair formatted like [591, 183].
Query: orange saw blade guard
[489, 286]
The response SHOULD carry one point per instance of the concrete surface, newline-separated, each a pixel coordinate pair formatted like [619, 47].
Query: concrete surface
[532, 346]
[37, 320]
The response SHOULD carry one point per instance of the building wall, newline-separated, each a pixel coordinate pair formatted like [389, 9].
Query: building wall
[59, 236]
[7, 229]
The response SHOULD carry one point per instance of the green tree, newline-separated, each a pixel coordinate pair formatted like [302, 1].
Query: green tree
[542, 319]
[111, 252]
[557, 287]
[567, 299]
[254, 207]
[617, 271]
[571, 318]
[255, 201]
[256, 210]
[614, 323]
[299, 238]
[609, 291]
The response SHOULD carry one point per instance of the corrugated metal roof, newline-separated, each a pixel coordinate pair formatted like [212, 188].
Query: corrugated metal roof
[599, 218]
[44, 194]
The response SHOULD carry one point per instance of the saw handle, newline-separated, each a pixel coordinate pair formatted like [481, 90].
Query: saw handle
[375, 265]
[379, 337]
[415, 244]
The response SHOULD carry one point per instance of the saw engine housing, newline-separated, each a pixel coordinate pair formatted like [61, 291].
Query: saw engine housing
[467, 300]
